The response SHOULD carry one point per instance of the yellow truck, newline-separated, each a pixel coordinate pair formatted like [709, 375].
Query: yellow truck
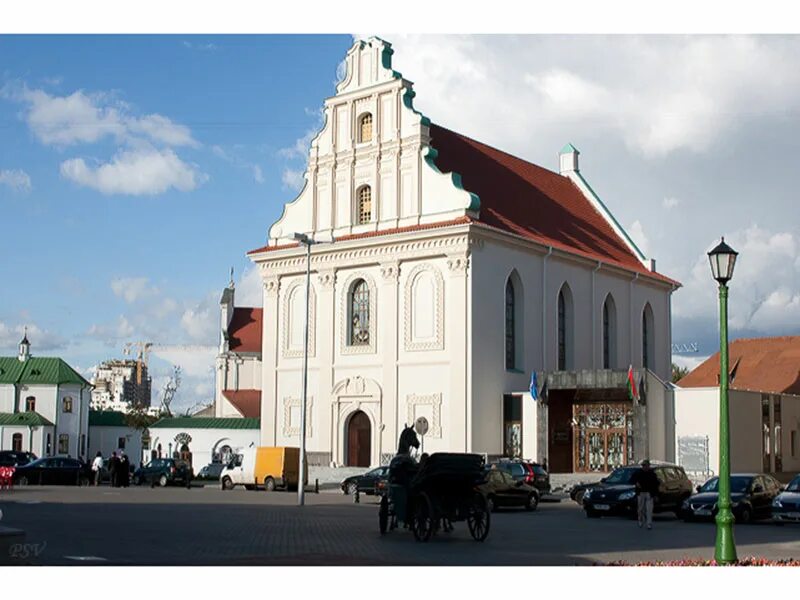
[264, 467]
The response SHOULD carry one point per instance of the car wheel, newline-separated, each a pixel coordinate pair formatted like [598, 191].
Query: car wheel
[227, 484]
[532, 502]
[163, 481]
[490, 505]
[745, 516]
[137, 480]
[22, 480]
[578, 497]
[269, 484]
[352, 488]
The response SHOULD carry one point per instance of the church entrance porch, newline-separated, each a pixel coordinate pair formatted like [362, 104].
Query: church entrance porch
[358, 440]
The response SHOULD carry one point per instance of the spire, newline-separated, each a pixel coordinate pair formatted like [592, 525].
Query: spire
[24, 347]
[230, 285]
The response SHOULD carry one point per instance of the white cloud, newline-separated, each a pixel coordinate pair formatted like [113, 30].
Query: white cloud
[161, 129]
[249, 289]
[17, 179]
[670, 203]
[258, 174]
[195, 361]
[201, 322]
[120, 329]
[293, 179]
[688, 362]
[40, 339]
[136, 172]
[636, 231]
[132, 288]
[199, 46]
[300, 147]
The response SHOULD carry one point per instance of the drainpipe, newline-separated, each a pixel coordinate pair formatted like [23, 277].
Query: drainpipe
[594, 317]
[544, 307]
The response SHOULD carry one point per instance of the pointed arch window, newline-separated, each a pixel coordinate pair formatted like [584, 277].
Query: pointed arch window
[609, 333]
[359, 314]
[565, 329]
[648, 340]
[365, 128]
[364, 213]
[510, 326]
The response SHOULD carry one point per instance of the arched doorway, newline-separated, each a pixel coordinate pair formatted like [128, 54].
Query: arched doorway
[358, 440]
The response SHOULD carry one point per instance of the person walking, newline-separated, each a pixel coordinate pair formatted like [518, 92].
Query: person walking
[113, 468]
[124, 471]
[97, 467]
[646, 482]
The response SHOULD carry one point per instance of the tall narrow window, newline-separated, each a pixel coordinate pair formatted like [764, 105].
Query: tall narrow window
[365, 128]
[510, 326]
[562, 332]
[364, 205]
[30, 404]
[16, 442]
[63, 443]
[648, 338]
[609, 333]
[606, 336]
[359, 314]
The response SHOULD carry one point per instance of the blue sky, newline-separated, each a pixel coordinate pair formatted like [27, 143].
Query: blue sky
[136, 170]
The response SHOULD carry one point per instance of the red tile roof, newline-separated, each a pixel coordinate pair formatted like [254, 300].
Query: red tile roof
[245, 330]
[247, 402]
[758, 364]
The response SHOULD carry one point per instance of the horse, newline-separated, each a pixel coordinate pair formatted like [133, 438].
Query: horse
[408, 439]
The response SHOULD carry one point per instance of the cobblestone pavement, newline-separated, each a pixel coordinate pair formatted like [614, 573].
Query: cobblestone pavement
[175, 526]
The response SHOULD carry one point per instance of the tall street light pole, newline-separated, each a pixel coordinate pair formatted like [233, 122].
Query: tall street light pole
[723, 259]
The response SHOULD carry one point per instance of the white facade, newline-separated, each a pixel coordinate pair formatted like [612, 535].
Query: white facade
[204, 444]
[436, 281]
[108, 439]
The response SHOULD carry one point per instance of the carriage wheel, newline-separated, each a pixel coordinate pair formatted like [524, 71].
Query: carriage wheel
[383, 515]
[478, 519]
[424, 521]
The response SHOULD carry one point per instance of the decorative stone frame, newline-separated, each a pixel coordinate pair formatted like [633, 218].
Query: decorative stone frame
[286, 351]
[408, 314]
[434, 400]
[344, 315]
[348, 396]
[290, 429]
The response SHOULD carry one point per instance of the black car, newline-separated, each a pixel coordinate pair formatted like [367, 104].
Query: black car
[14, 458]
[500, 489]
[54, 470]
[616, 494]
[751, 498]
[530, 472]
[366, 483]
[211, 472]
[786, 505]
[164, 471]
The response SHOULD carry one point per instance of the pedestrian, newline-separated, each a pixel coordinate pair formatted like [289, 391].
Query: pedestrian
[124, 471]
[97, 467]
[646, 483]
[113, 467]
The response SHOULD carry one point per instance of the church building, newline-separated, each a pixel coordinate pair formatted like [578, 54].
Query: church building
[445, 273]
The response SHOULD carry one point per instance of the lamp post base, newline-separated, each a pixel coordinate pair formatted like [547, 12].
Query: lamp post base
[725, 549]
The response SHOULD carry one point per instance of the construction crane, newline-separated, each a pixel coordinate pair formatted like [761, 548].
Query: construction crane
[142, 350]
[689, 348]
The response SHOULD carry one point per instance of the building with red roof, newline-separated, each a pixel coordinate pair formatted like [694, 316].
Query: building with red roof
[446, 273]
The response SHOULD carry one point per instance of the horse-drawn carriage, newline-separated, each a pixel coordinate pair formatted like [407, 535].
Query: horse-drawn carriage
[432, 494]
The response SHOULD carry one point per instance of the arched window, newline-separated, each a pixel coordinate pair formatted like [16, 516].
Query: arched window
[510, 326]
[609, 333]
[365, 128]
[648, 337]
[16, 442]
[30, 404]
[565, 328]
[364, 205]
[359, 314]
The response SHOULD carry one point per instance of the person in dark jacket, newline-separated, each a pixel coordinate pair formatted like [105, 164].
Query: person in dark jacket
[124, 471]
[113, 469]
[646, 483]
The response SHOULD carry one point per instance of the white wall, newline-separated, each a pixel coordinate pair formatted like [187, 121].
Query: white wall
[204, 441]
[106, 440]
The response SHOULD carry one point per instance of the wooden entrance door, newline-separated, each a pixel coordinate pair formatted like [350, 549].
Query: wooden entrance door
[603, 436]
[358, 440]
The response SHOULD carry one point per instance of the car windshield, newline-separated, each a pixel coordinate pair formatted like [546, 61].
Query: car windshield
[739, 484]
[621, 476]
[794, 485]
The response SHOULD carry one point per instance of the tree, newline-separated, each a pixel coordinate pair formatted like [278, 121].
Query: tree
[138, 418]
[678, 373]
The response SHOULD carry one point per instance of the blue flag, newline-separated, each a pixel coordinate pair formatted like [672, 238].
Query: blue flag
[534, 386]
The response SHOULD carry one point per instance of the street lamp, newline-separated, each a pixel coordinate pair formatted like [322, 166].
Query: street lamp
[723, 259]
[301, 491]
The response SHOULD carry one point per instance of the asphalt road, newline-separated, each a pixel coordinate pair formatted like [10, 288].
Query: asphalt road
[206, 526]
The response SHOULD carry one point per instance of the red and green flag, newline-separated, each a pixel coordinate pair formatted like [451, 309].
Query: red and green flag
[633, 393]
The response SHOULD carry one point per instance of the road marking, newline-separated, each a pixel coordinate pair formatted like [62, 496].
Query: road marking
[98, 558]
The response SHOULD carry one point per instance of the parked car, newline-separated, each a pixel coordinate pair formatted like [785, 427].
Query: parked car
[14, 458]
[530, 472]
[53, 470]
[577, 491]
[211, 472]
[751, 498]
[366, 483]
[164, 471]
[786, 505]
[500, 490]
[616, 494]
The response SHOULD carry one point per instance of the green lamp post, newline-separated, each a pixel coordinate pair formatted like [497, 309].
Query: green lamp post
[722, 259]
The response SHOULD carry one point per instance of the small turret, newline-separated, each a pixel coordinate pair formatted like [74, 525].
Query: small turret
[24, 347]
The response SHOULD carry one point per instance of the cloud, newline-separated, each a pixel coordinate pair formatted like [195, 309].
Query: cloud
[301, 146]
[135, 173]
[132, 288]
[670, 203]
[200, 322]
[195, 361]
[293, 179]
[249, 290]
[40, 339]
[17, 179]
[258, 174]
[636, 231]
[110, 334]
[255, 170]
[161, 129]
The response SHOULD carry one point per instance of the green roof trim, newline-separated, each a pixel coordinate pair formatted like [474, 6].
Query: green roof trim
[24, 419]
[569, 149]
[38, 370]
[107, 418]
[206, 423]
